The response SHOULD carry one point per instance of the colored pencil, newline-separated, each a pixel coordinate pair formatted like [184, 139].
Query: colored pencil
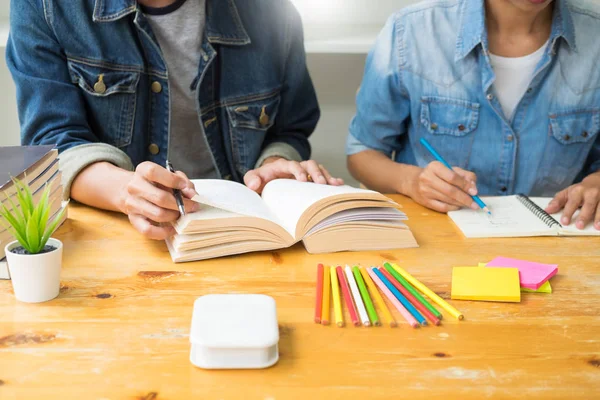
[412, 290]
[420, 307]
[429, 293]
[377, 299]
[337, 302]
[364, 293]
[319, 301]
[347, 296]
[326, 295]
[400, 297]
[403, 311]
[360, 306]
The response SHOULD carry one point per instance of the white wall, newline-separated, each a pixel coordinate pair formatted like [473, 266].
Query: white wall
[336, 67]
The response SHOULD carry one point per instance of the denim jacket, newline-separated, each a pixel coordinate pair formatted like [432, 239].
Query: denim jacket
[90, 74]
[429, 75]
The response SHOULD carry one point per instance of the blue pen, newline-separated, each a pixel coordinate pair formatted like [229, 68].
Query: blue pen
[438, 157]
[411, 309]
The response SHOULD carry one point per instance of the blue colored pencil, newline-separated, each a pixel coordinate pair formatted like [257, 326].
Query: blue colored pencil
[438, 157]
[401, 298]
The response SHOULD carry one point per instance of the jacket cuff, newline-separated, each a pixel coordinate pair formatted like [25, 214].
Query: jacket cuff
[278, 149]
[74, 160]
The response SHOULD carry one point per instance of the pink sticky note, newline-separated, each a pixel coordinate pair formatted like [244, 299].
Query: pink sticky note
[532, 274]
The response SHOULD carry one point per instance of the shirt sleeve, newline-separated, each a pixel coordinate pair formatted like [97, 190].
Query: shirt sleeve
[50, 107]
[382, 103]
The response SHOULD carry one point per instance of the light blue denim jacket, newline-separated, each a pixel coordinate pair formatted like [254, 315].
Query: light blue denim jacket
[429, 75]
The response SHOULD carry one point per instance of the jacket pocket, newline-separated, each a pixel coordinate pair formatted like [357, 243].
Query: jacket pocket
[249, 123]
[449, 124]
[571, 137]
[110, 97]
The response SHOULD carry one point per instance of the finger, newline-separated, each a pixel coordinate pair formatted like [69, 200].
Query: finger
[314, 171]
[468, 176]
[330, 179]
[597, 219]
[453, 178]
[433, 194]
[558, 202]
[253, 180]
[149, 230]
[441, 206]
[453, 192]
[155, 173]
[191, 188]
[138, 206]
[157, 196]
[573, 203]
[588, 210]
[291, 167]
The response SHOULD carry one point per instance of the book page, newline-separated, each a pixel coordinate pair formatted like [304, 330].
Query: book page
[288, 199]
[510, 218]
[570, 229]
[360, 215]
[233, 197]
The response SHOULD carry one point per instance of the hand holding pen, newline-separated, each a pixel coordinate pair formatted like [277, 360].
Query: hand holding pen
[444, 188]
[150, 203]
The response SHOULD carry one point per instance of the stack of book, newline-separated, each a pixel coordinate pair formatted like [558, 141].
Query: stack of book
[36, 166]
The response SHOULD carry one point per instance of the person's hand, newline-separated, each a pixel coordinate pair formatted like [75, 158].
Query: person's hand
[442, 189]
[584, 195]
[276, 168]
[149, 202]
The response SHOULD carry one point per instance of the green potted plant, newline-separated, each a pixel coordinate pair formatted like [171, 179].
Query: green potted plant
[34, 259]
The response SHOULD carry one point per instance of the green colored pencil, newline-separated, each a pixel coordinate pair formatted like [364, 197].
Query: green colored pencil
[412, 290]
[364, 293]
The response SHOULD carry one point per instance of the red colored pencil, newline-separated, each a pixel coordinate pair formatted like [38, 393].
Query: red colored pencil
[418, 305]
[347, 296]
[319, 302]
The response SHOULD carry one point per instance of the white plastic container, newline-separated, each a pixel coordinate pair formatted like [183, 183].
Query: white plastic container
[234, 331]
[35, 277]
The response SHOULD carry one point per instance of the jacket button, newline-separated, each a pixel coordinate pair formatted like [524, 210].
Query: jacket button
[100, 86]
[227, 177]
[264, 118]
[461, 127]
[153, 149]
[503, 189]
[434, 126]
[567, 137]
[156, 87]
[585, 134]
[510, 138]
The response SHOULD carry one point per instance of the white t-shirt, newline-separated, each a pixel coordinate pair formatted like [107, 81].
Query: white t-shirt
[513, 77]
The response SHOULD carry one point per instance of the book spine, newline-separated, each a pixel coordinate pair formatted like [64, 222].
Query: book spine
[538, 211]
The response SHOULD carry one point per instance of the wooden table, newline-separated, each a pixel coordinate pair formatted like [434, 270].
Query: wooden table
[119, 329]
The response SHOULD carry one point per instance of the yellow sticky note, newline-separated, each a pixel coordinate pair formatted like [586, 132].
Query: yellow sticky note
[486, 284]
[482, 264]
[545, 288]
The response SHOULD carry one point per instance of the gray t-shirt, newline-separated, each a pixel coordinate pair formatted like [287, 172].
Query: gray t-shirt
[179, 29]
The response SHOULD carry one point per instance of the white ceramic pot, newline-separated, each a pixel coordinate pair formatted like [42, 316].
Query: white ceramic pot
[35, 277]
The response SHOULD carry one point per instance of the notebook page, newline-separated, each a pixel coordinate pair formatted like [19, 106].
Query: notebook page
[510, 218]
[289, 199]
[571, 229]
[233, 197]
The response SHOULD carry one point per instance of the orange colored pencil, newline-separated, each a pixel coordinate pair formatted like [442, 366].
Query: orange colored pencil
[319, 300]
[326, 295]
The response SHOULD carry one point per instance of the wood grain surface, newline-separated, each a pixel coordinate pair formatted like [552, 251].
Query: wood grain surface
[119, 329]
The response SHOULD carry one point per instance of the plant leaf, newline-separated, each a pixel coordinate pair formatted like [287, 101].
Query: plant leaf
[52, 227]
[17, 212]
[17, 228]
[33, 236]
[45, 210]
[25, 198]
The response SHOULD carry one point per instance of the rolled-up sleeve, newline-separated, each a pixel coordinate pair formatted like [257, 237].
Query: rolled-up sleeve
[382, 103]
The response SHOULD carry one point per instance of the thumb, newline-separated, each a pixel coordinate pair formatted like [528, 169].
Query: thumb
[253, 180]
[558, 202]
[470, 178]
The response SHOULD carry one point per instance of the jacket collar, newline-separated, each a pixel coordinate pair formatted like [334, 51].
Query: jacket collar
[473, 31]
[223, 22]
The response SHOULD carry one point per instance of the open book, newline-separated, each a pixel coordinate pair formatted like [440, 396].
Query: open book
[516, 216]
[234, 219]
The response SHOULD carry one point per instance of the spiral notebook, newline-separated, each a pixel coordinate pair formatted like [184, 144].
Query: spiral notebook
[516, 216]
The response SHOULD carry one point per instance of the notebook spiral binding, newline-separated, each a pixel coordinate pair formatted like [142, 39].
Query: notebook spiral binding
[538, 211]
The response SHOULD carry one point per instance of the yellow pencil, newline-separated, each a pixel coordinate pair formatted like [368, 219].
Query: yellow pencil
[429, 293]
[337, 302]
[326, 291]
[385, 311]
